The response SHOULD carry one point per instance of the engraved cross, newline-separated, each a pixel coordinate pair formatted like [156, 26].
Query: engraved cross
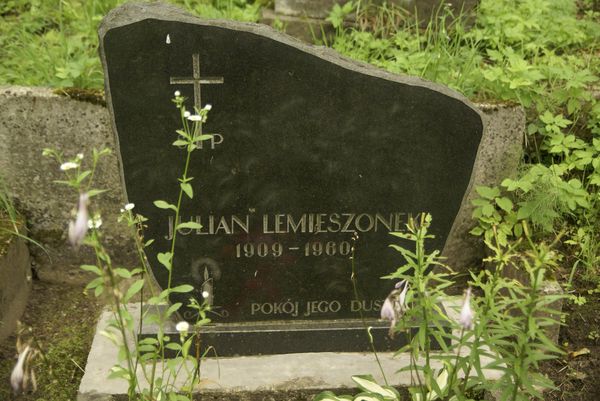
[196, 80]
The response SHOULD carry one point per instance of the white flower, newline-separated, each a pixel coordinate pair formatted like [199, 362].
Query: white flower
[96, 222]
[68, 166]
[208, 107]
[186, 114]
[194, 117]
[466, 313]
[129, 206]
[182, 327]
[80, 156]
[79, 227]
[205, 294]
[168, 41]
[177, 93]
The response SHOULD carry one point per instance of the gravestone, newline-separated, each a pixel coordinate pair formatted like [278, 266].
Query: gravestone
[309, 149]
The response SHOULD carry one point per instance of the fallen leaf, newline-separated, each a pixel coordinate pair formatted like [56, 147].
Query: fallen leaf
[583, 351]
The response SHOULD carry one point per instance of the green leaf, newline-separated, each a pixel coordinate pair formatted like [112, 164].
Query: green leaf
[94, 192]
[487, 210]
[367, 383]
[487, 192]
[94, 283]
[92, 269]
[505, 204]
[189, 224]
[330, 396]
[134, 289]
[180, 142]
[183, 133]
[187, 188]
[173, 346]
[165, 259]
[182, 288]
[524, 211]
[203, 138]
[477, 231]
[369, 397]
[118, 372]
[164, 205]
[121, 272]
[83, 176]
[173, 308]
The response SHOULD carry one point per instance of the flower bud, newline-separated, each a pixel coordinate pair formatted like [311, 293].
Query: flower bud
[79, 227]
[466, 313]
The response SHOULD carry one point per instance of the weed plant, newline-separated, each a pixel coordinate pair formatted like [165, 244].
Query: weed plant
[11, 222]
[498, 340]
[8, 213]
[142, 363]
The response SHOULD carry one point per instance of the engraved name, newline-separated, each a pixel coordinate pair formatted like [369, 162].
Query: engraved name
[313, 223]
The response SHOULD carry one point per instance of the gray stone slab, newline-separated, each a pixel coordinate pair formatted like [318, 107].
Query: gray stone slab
[293, 376]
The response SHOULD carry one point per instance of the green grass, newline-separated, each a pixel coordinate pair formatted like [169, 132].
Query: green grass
[54, 42]
[515, 51]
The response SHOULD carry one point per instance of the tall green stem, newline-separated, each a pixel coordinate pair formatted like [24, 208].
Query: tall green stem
[362, 317]
[177, 213]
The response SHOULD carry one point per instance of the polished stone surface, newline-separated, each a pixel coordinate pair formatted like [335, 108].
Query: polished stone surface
[311, 147]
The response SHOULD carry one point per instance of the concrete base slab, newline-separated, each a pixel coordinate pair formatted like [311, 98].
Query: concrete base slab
[289, 376]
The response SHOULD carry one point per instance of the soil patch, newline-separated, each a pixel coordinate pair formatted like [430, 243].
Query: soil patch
[576, 373]
[62, 319]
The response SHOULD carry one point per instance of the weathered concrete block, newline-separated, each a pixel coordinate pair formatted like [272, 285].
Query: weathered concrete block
[306, 8]
[304, 28]
[423, 9]
[15, 285]
[32, 119]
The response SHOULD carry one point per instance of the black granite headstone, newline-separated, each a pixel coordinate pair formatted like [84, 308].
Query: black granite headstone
[309, 148]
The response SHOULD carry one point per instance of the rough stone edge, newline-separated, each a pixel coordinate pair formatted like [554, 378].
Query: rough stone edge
[463, 250]
[37, 91]
[131, 13]
[17, 260]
